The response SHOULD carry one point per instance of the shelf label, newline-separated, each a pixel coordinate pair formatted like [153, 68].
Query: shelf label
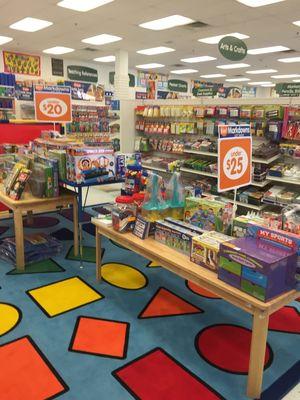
[235, 157]
[53, 105]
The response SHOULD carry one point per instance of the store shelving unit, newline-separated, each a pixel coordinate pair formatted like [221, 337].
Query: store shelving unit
[284, 180]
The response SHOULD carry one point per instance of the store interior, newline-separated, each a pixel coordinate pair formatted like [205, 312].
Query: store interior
[150, 199]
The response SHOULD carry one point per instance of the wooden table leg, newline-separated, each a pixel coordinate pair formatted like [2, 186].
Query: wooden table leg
[19, 235]
[29, 218]
[75, 227]
[257, 354]
[98, 256]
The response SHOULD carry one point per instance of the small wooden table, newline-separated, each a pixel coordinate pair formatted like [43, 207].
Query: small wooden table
[182, 266]
[28, 204]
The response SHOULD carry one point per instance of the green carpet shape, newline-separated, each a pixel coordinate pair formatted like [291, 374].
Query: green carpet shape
[40, 267]
[89, 254]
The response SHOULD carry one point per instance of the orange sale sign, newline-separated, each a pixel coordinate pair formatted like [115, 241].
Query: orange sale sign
[53, 106]
[235, 162]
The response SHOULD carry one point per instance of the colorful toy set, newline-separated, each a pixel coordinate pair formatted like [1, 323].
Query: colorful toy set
[155, 207]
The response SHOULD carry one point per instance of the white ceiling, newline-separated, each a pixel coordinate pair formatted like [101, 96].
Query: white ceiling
[266, 26]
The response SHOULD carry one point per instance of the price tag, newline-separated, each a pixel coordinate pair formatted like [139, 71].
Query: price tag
[235, 162]
[52, 106]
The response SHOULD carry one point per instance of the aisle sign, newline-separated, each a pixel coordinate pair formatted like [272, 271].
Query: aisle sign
[233, 48]
[288, 89]
[53, 104]
[235, 157]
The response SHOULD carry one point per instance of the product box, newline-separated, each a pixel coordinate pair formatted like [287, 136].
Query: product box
[60, 156]
[258, 267]
[205, 249]
[185, 225]
[173, 236]
[209, 214]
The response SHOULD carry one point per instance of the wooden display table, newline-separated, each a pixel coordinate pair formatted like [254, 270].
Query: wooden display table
[28, 204]
[182, 266]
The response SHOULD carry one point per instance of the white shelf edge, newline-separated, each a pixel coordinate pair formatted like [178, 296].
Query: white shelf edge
[283, 180]
[196, 172]
[267, 161]
[156, 169]
[204, 153]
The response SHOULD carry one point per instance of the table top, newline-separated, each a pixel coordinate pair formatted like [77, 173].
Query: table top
[87, 184]
[181, 265]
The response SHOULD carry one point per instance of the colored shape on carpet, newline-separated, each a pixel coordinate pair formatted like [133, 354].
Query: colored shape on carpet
[152, 264]
[27, 375]
[118, 245]
[164, 303]
[157, 375]
[3, 229]
[123, 276]
[286, 320]
[89, 228]
[100, 337]
[63, 296]
[39, 222]
[68, 213]
[200, 291]
[41, 267]
[63, 234]
[10, 317]
[88, 255]
[227, 347]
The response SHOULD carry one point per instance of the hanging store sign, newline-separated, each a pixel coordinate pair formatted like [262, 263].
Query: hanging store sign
[235, 157]
[82, 74]
[53, 104]
[288, 89]
[86, 91]
[205, 89]
[233, 48]
[176, 85]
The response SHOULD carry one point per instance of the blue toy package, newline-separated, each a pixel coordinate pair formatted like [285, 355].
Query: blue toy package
[279, 238]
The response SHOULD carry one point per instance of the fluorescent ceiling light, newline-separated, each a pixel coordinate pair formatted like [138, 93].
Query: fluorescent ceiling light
[261, 71]
[258, 3]
[167, 22]
[289, 60]
[99, 40]
[259, 83]
[285, 76]
[82, 5]
[183, 71]
[149, 66]
[105, 59]
[213, 76]
[156, 50]
[266, 50]
[198, 59]
[233, 66]
[30, 24]
[269, 85]
[5, 39]
[296, 80]
[237, 80]
[216, 39]
[297, 23]
[58, 50]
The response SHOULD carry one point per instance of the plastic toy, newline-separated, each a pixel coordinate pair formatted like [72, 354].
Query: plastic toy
[155, 207]
[175, 195]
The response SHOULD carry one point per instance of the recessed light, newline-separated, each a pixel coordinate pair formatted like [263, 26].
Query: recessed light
[213, 76]
[105, 59]
[198, 59]
[297, 23]
[30, 24]
[237, 80]
[259, 83]
[289, 60]
[156, 50]
[296, 80]
[267, 50]
[269, 85]
[258, 3]
[58, 50]
[285, 76]
[233, 66]
[83, 5]
[99, 40]
[5, 39]
[216, 39]
[261, 71]
[167, 22]
[183, 71]
[149, 66]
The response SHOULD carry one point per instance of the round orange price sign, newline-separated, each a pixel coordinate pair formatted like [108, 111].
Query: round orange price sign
[52, 107]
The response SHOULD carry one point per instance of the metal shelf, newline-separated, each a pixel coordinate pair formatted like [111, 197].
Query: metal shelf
[202, 153]
[284, 180]
[196, 172]
[156, 169]
[266, 161]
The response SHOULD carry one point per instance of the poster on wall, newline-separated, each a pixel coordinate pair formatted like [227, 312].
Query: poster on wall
[86, 91]
[160, 79]
[22, 64]
[53, 104]
[207, 89]
[82, 74]
[151, 90]
[24, 90]
[57, 66]
[140, 95]
[232, 92]
[249, 92]
[164, 95]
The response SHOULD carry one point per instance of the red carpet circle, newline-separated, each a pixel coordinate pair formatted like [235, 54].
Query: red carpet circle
[41, 222]
[227, 347]
[200, 291]
[286, 320]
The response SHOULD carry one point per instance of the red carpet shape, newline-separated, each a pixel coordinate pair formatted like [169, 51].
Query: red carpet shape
[157, 375]
[164, 303]
[286, 320]
[227, 347]
[201, 291]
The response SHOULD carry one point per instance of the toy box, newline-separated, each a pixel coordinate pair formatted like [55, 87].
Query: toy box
[258, 267]
[209, 214]
[205, 249]
[173, 236]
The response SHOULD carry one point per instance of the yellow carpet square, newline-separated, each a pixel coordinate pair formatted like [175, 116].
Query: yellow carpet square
[63, 296]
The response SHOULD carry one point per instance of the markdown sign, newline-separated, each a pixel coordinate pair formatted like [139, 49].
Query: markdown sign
[233, 48]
